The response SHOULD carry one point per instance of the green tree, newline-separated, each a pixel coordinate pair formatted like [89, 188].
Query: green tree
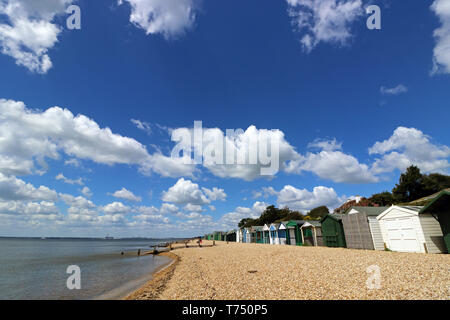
[410, 186]
[382, 199]
[246, 223]
[435, 182]
[319, 212]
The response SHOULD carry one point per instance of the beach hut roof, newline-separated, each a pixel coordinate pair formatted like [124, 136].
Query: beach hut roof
[369, 211]
[334, 216]
[257, 228]
[438, 205]
[295, 222]
[313, 223]
[411, 209]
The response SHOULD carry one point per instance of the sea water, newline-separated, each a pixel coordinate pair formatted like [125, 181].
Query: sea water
[37, 268]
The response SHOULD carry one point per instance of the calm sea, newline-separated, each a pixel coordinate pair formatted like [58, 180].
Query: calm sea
[36, 268]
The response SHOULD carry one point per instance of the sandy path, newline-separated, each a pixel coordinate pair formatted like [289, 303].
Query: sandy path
[256, 271]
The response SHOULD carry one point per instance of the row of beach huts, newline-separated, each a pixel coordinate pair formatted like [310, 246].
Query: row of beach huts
[423, 229]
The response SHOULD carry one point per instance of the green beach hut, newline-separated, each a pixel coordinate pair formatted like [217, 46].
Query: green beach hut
[293, 235]
[439, 208]
[333, 231]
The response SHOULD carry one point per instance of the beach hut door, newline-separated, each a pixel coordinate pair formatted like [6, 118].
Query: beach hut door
[292, 236]
[402, 235]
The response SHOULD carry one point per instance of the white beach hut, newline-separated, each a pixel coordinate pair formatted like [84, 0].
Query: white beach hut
[266, 233]
[239, 235]
[404, 230]
[274, 233]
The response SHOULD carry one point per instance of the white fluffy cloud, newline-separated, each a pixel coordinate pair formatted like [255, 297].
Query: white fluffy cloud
[304, 200]
[116, 208]
[28, 208]
[168, 208]
[217, 147]
[186, 192]
[86, 192]
[78, 181]
[332, 164]
[126, 195]
[78, 205]
[441, 53]
[324, 20]
[30, 31]
[12, 188]
[169, 18]
[231, 219]
[28, 137]
[409, 146]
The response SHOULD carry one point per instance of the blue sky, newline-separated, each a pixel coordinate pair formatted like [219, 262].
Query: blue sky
[351, 108]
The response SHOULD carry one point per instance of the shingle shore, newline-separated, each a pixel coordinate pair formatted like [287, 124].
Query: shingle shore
[256, 271]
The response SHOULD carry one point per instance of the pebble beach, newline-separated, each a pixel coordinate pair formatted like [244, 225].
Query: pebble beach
[245, 271]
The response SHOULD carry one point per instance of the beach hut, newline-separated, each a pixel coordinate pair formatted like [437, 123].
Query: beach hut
[405, 230]
[266, 233]
[311, 232]
[230, 236]
[282, 234]
[218, 236]
[333, 230]
[362, 229]
[258, 234]
[239, 235]
[248, 235]
[293, 232]
[274, 233]
[439, 209]
[244, 235]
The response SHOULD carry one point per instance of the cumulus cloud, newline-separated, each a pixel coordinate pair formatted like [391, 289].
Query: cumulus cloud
[327, 21]
[304, 200]
[86, 192]
[409, 146]
[394, 91]
[30, 31]
[231, 219]
[78, 205]
[332, 164]
[12, 188]
[28, 137]
[186, 192]
[169, 18]
[116, 208]
[28, 208]
[240, 154]
[441, 53]
[78, 181]
[126, 195]
[168, 208]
